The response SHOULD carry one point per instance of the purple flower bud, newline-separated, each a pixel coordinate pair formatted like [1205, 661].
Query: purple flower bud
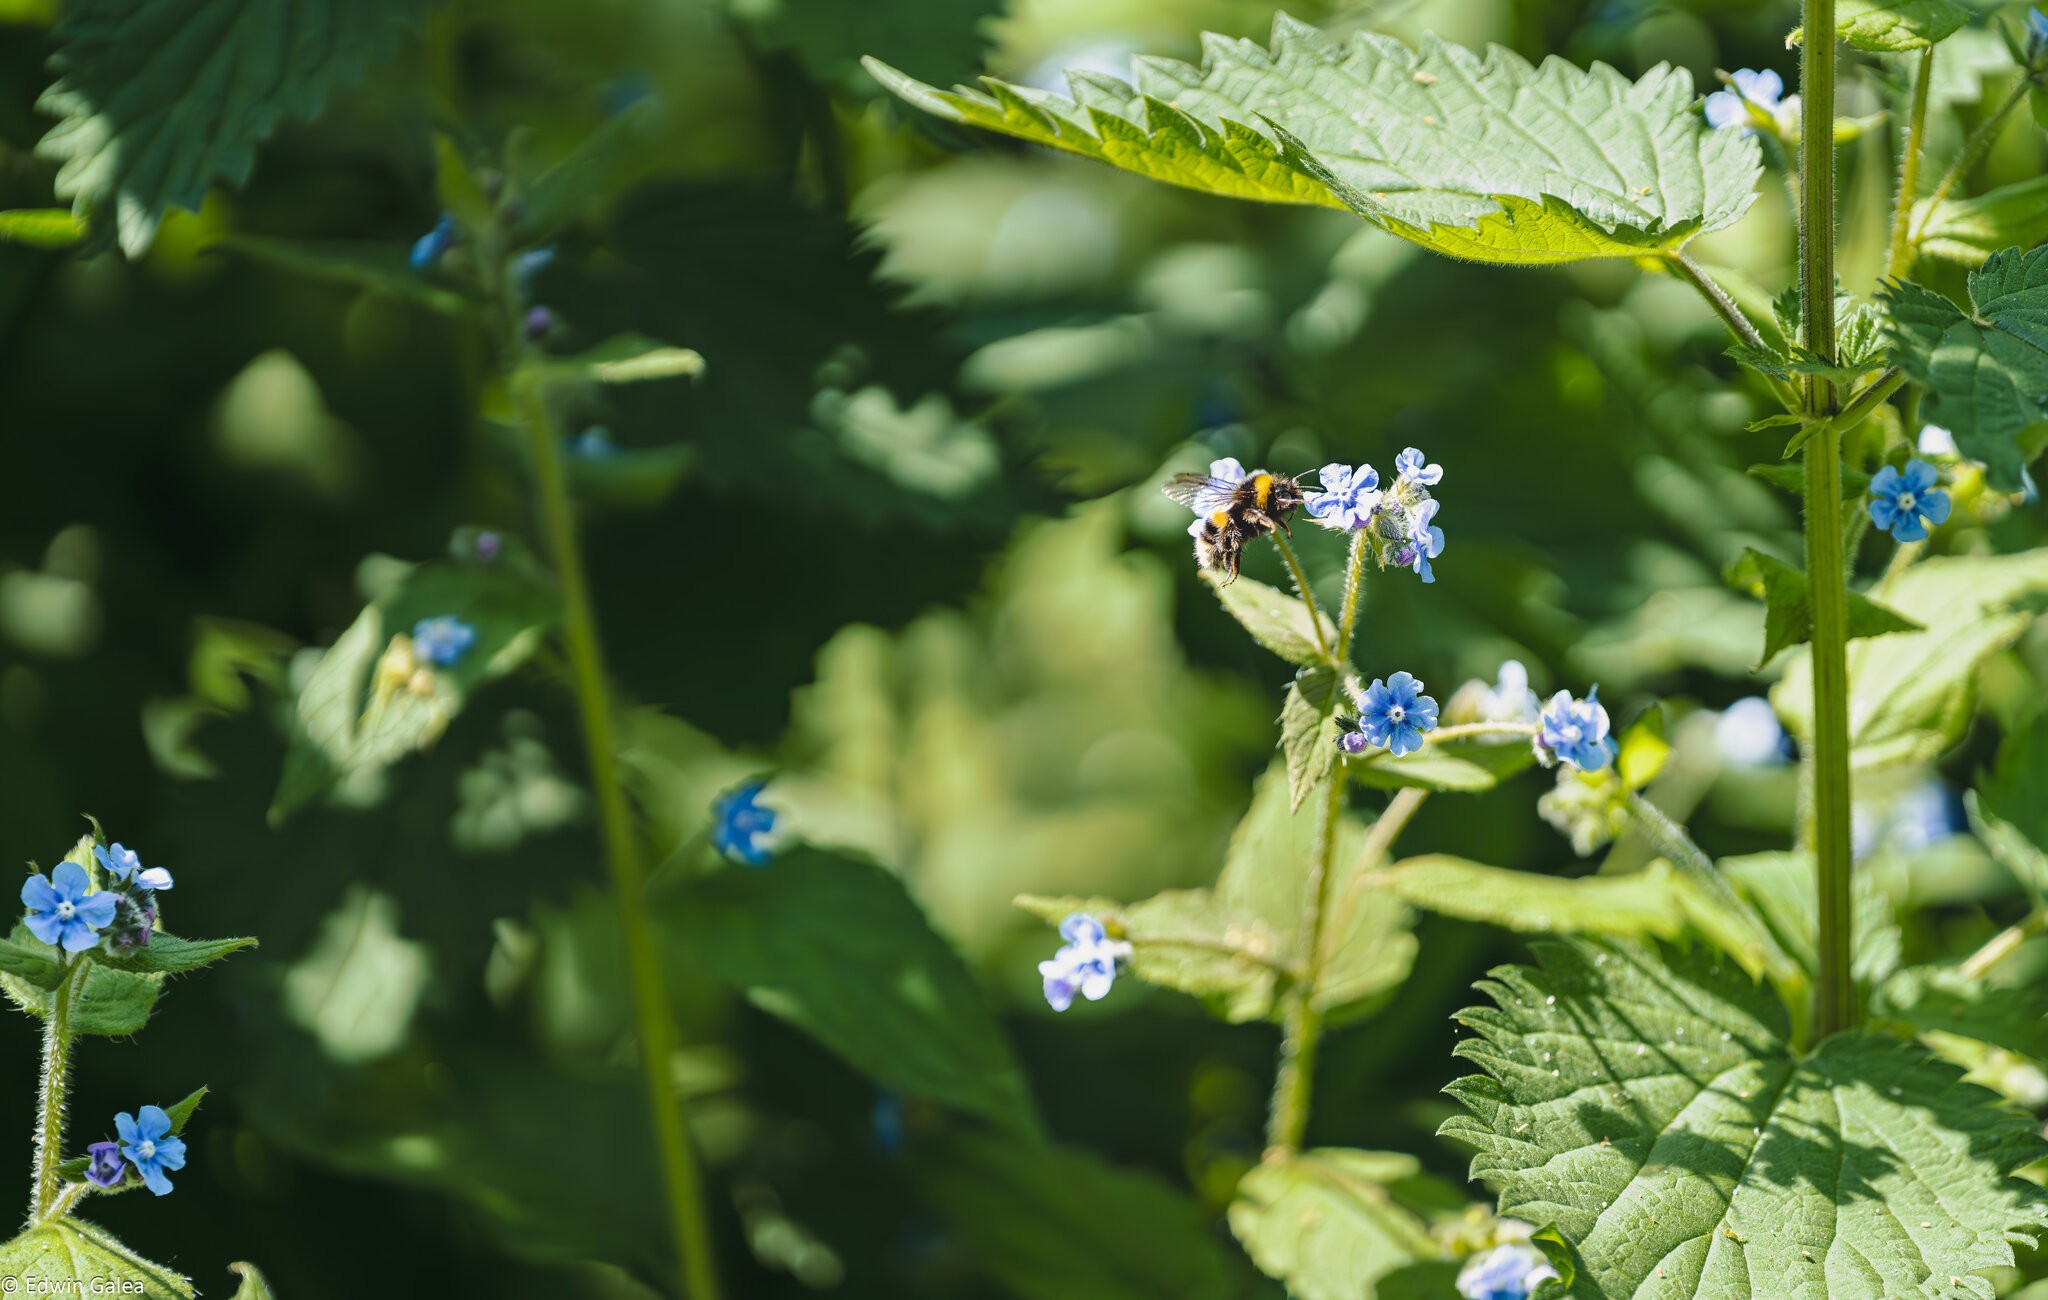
[488, 545]
[540, 322]
[107, 1168]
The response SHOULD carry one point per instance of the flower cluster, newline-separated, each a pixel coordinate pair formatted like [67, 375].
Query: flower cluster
[742, 827]
[69, 910]
[1401, 517]
[1906, 504]
[1510, 1271]
[1392, 714]
[1755, 99]
[442, 641]
[147, 1146]
[1574, 732]
[1086, 964]
[1588, 808]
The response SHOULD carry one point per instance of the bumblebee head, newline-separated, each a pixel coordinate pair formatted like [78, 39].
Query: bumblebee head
[1286, 496]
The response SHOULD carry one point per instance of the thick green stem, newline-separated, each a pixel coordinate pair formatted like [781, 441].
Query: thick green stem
[1900, 258]
[1973, 151]
[49, 1152]
[654, 1020]
[1308, 599]
[1835, 994]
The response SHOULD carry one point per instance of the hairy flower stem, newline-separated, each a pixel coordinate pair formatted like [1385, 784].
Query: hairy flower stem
[1835, 992]
[56, 1079]
[654, 1020]
[1308, 598]
[1354, 578]
[1899, 259]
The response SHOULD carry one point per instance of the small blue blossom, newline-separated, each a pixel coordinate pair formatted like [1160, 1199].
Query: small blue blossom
[741, 825]
[886, 1122]
[428, 248]
[1733, 109]
[2037, 34]
[1905, 504]
[1349, 497]
[1392, 714]
[595, 443]
[147, 1143]
[1411, 469]
[1574, 732]
[529, 264]
[442, 641]
[1425, 541]
[63, 910]
[106, 1168]
[1509, 1271]
[125, 865]
[1086, 964]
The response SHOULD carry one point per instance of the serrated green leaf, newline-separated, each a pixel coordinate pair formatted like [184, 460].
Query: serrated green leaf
[111, 1004]
[1986, 370]
[1055, 1223]
[1276, 620]
[159, 101]
[1945, 999]
[1647, 1101]
[1646, 902]
[1476, 156]
[40, 228]
[1891, 26]
[167, 953]
[72, 1257]
[1308, 730]
[1467, 765]
[1777, 365]
[1788, 604]
[1323, 1222]
[1183, 939]
[838, 949]
[1969, 230]
[1910, 693]
[253, 1286]
[29, 958]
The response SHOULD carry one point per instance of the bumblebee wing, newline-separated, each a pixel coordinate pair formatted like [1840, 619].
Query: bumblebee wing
[1201, 493]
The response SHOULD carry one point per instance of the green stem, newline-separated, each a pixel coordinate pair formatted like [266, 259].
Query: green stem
[1465, 730]
[56, 1079]
[1835, 993]
[1308, 599]
[1900, 259]
[2004, 944]
[655, 1023]
[1973, 150]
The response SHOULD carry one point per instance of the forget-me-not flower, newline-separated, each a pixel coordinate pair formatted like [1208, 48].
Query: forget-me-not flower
[1509, 1271]
[105, 1167]
[63, 910]
[1510, 699]
[1086, 964]
[1905, 504]
[442, 641]
[1409, 465]
[1756, 95]
[428, 248]
[1574, 732]
[147, 1143]
[2037, 34]
[125, 865]
[1392, 714]
[1349, 497]
[1425, 541]
[1936, 441]
[741, 825]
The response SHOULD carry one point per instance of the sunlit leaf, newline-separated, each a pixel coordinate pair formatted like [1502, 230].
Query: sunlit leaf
[1788, 604]
[1323, 1221]
[1308, 730]
[111, 1003]
[253, 1286]
[69, 1256]
[1945, 999]
[1276, 620]
[1647, 902]
[1971, 229]
[1184, 939]
[1888, 26]
[1467, 765]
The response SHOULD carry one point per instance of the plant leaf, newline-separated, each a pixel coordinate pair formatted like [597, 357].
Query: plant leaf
[838, 949]
[29, 958]
[1646, 902]
[167, 953]
[1647, 1101]
[1945, 999]
[159, 101]
[1969, 230]
[1323, 1222]
[181, 1113]
[112, 1003]
[2009, 806]
[69, 1256]
[1781, 887]
[1987, 369]
[1644, 750]
[1466, 766]
[1308, 731]
[1788, 604]
[253, 1286]
[1910, 693]
[380, 268]
[1477, 156]
[1276, 620]
[1889, 26]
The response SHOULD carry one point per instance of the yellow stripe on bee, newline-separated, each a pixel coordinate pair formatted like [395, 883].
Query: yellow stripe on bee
[1220, 519]
[1262, 489]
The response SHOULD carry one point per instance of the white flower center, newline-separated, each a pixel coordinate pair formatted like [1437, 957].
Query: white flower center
[1571, 733]
[145, 1149]
[66, 910]
[1397, 714]
[1907, 500]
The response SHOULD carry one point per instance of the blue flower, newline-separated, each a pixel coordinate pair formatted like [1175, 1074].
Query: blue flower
[741, 825]
[1904, 504]
[1412, 470]
[106, 1168]
[2037, 34]
[1349, 498]
[428, 248]
[1392, 714]
[1425, 541]
[529, 264]
[147, 1143]
[442, 641]
[125, 865]
[63, 910]
[594, 443]
[1574, 731]
[1086, 964]
[1507, 1272]
[1731, 109]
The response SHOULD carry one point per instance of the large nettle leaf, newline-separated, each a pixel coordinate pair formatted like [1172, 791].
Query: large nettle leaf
[1477, 156]
[1987, 368]
[161, 98]
[1646, 1101]
[66, 1256]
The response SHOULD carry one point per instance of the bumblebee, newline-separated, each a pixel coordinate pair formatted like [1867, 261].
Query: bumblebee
[1233, 507]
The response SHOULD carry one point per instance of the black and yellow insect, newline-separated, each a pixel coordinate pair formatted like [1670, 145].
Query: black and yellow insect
[1233, 507]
